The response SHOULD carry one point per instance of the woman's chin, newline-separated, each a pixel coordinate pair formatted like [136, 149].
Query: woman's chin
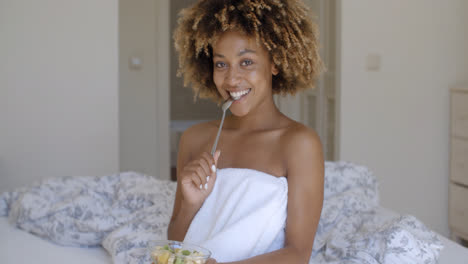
[239, 112]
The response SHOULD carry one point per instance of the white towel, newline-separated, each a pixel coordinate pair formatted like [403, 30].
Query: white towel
[244, 216]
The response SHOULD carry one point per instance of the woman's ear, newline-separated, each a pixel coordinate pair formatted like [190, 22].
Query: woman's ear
[274, 69]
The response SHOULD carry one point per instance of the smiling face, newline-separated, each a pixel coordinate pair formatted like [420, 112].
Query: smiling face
[243, 71]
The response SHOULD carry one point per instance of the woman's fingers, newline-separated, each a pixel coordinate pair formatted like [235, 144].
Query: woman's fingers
[197, 173]
[206, 165]
[202, 169]
[215, 165]
[191, 173]
[211, 261]
[211, 164]
[202, 174]
[216, 157]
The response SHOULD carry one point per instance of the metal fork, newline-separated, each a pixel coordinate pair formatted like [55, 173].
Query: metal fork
[225, 107]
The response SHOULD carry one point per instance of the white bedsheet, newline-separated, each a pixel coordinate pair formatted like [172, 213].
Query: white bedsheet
[20, 247]
[452, 253]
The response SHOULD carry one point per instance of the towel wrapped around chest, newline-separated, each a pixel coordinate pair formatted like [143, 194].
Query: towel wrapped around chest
[244, 216]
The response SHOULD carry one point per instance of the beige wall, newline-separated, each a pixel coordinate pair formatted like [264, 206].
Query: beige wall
[58, 90]
[396, 120]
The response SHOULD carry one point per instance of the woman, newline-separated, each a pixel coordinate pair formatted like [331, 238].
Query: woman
[252, 50]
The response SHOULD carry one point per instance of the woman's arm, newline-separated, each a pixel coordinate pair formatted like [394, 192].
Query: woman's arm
[181, 217]
[195, 181]
[305, 167]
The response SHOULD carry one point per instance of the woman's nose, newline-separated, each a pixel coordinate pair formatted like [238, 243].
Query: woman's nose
[232, 77]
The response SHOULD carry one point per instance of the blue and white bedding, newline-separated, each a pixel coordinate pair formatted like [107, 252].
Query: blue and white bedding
[123, 212]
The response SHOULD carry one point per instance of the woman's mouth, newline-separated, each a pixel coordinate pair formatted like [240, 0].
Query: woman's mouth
[238, 95]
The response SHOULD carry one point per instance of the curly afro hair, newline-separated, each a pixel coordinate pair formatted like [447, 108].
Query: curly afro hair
[283, 27]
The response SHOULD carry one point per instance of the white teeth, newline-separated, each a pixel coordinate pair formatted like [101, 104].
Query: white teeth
[238, 95]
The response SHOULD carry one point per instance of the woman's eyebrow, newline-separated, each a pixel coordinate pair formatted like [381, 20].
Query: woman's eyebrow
[242, 52]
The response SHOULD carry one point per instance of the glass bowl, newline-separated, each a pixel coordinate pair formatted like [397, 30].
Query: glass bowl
[175, 252]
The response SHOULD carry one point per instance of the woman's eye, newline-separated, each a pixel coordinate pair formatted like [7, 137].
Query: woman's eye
[246, 62]
[220, 64]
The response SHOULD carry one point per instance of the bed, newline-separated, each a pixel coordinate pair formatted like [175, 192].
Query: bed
[18, 246]
[13, 241]
[64, 196]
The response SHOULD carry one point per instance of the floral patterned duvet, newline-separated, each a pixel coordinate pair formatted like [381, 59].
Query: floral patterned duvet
[122, 212]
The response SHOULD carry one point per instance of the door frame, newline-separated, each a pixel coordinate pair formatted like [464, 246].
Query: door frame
[162, 88]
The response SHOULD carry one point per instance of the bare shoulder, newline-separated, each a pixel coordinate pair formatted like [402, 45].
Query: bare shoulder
[198, 131]
[195, 138]
[299, 136]
[302, 147]
[197, 135]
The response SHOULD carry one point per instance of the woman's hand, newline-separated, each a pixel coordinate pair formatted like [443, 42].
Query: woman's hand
[197, 179]
[211, 261]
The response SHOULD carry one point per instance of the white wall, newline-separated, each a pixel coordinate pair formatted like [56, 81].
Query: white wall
[396, 120]
[58, 89]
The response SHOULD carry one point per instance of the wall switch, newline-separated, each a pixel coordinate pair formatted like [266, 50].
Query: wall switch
[135, 62]
[373, 62]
